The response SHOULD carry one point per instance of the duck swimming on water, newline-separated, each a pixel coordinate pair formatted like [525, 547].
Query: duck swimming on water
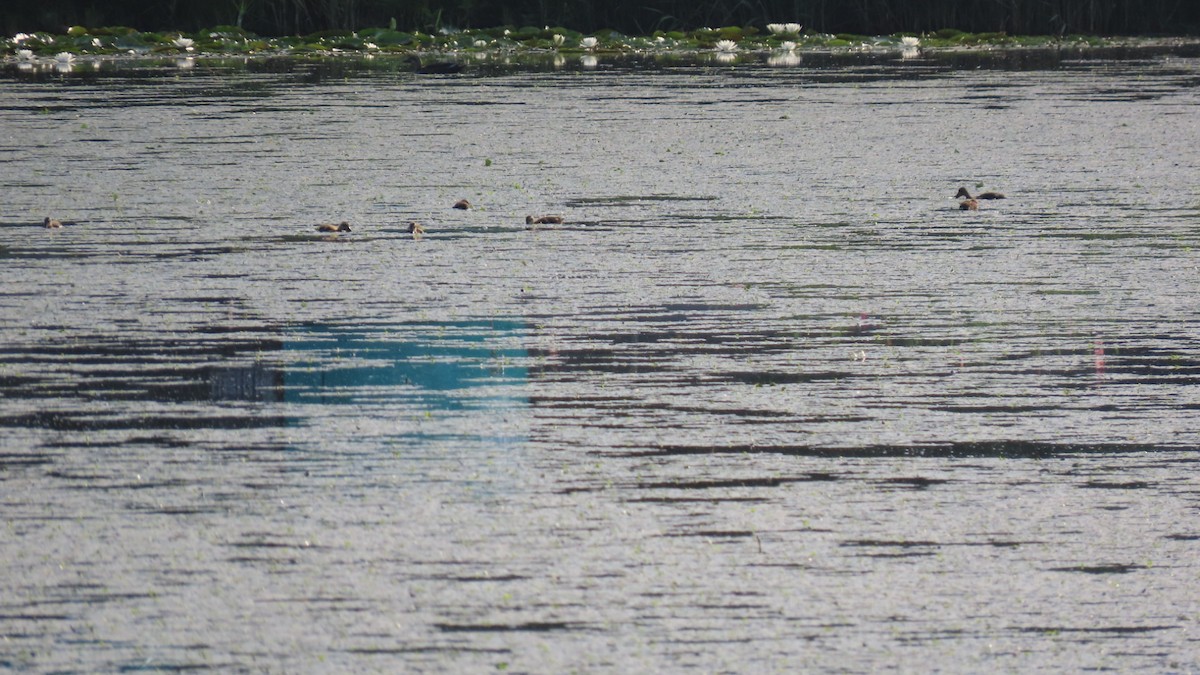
[330, 227]
[969, 205]
[962, 192]
[416, 229]
[51, 224]
[462, 204]
[435, 68]
[543, 220]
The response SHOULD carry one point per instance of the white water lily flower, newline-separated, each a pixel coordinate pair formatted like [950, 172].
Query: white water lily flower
[95, 42]
[184, 43]
[64, 57]
[775, 28]
[589, 43]
[481, 43]
[727, 46]
[909, 41]
[792, 28]
[559, 39]
[370, 45]
[25, 54]
[660, 39]
[787, 46]
[21, 37]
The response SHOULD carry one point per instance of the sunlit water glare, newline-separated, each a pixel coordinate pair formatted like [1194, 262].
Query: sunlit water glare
[766, 401]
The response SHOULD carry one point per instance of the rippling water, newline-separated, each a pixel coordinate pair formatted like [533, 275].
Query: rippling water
[768, 400]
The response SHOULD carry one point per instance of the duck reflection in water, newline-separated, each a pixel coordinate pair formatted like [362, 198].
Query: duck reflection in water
[435, 68]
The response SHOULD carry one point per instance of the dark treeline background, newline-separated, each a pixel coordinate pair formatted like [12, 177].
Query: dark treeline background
[872, 17]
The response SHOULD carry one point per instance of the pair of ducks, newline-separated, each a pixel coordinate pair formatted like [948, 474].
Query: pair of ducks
[414, 228]
[529, 220]
[972, 203]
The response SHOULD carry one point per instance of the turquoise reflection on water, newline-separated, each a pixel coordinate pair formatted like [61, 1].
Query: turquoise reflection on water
[445, 365]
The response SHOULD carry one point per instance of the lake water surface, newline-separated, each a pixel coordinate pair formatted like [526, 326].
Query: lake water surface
[766, 401]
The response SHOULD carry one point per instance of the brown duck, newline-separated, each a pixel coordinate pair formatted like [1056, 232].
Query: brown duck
[50, 223]
[462, 204]
[416, 229]
[543, 220]
[962, 192]
[969, 205]
[330, 227]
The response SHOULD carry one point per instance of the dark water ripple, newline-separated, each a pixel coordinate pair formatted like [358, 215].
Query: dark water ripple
[766, 401]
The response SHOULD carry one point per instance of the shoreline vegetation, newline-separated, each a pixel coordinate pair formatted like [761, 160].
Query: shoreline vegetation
[863, 17]
[80, 42]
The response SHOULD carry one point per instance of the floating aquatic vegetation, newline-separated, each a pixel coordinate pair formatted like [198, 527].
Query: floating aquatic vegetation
[40, 50]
